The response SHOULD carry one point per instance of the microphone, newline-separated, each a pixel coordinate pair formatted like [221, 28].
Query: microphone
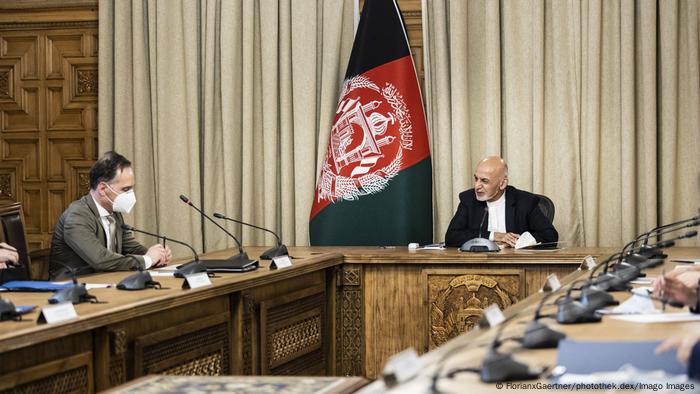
[646, 253]
[183, 269]
[500, 367]
[538, 335]
[75, 294]
[239, 261]
[594, 293]
[483, 218]
[279, 250]
[8, 311]
[695, 220]
[480, 244]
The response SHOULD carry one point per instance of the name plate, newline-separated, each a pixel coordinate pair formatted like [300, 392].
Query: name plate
[588, 263]
[51, 314]
[280, 262]
[194, 281]
[493, 315]
[552, 283]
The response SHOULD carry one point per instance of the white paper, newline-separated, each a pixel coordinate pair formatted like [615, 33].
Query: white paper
[90, 286]
[643, 281]
[636, 305]
[659, 317]
[172, 267]
[162, 273]
[432, 247]
[526, 239]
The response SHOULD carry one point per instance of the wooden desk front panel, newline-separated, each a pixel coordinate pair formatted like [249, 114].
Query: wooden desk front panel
[192, 339]
[60, 365]
[288, 328]
[424, 305]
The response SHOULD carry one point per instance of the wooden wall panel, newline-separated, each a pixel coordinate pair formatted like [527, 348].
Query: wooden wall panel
[48, 108]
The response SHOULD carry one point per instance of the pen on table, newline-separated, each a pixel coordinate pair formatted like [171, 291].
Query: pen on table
[663, 293]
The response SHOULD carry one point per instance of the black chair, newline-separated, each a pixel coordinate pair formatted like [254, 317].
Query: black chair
[547, 207]
[12, 233]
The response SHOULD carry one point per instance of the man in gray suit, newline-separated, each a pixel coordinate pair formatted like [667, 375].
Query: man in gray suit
[88, 237]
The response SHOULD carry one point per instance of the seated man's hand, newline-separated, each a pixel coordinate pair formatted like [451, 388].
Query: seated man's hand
[8, 254]
[688, 277]
[157, 255]
[508, 239]
[168, 255]
[684, 343]
[674, 289]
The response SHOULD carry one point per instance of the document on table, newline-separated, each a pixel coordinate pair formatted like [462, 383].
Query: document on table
[659, 317]
[162, 273]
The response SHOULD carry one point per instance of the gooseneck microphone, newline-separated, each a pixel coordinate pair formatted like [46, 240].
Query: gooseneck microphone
[538, 335]
[279, 250]
[239, 262]
[694, 221]
[191, 267]
[480, 244]
[646, 252]
[500, 367]
[189, 202]
[483, 218]
[163, 237]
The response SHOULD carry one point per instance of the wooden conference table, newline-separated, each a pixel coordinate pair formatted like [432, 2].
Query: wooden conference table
[468, 350]
[336, 311]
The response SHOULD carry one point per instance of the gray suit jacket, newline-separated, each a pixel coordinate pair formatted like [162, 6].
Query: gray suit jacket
[79, 242]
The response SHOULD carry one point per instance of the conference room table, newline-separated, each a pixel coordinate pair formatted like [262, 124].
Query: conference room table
[337, 311]
[466, 352]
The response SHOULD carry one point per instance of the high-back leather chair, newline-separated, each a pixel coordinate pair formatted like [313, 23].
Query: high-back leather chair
[12, 233]
[547, 207]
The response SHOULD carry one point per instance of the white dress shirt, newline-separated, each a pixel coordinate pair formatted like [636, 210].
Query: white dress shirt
[105, 225]
[497, 216]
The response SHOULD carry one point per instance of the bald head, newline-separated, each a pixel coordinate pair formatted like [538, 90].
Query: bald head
[490, 178]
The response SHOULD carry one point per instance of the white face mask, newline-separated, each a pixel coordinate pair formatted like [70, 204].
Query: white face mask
[124, 202]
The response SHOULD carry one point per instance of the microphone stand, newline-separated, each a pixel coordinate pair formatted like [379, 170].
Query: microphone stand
[648, 254]
[480, 244]
[191, 267]
[500, 367]
[239, 261]
[279, 250]
[694, 222]
[538, 335]
[594, 294]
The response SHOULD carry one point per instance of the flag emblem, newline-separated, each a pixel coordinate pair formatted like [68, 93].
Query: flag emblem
[371, 130]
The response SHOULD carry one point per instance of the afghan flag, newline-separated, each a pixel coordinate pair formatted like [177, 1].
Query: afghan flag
[375, 186]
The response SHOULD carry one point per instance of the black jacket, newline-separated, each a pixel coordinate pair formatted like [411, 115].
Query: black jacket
[522, 214]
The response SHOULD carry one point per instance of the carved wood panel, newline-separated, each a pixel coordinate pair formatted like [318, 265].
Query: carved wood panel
[48, 118]
[350, 322]
[457, 298]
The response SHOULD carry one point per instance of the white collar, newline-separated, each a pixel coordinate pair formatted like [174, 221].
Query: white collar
[501, 201]
[100, 209]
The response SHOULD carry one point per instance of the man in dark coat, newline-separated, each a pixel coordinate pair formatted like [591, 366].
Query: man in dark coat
[494, 210]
